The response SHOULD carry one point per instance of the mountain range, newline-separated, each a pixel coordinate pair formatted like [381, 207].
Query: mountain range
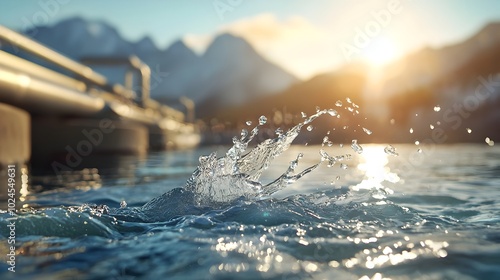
[434, 89]
[232, 83]
[425, 66]
[443, 88]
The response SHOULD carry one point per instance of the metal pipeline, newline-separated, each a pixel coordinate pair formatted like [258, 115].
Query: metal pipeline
[40, 96]
[145, 79]
[132, 62]
[40, 90]
[43, 91]
[54, 57]
[20, 65]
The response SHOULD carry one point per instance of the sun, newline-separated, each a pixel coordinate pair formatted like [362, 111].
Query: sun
[380, 52]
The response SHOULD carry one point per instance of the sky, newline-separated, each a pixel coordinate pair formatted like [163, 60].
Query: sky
[303, 36]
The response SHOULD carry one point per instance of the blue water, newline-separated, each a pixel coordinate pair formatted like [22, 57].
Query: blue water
[428, 215]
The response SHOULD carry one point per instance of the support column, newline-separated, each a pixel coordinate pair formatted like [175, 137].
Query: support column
[15, 145]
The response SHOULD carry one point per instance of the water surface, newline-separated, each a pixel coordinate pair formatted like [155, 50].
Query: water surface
[429, 215]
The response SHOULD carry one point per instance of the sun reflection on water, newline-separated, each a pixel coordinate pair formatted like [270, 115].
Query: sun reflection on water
[373, 164]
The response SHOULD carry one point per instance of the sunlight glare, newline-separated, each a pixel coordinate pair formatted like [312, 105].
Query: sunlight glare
[380, 52]
[374, 165]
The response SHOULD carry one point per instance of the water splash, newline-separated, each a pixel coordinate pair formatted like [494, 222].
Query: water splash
[237, 174]
[489, 142]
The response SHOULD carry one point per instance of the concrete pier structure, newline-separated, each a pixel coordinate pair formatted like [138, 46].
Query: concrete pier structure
[66, 143]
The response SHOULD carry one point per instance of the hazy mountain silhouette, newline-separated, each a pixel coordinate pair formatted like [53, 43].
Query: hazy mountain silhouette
[462, 70]
[425, 66]
[233, 64]
[412, 87]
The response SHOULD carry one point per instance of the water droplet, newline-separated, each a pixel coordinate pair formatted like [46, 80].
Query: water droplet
[123, 204]
[262, 120]
[249, 123]
[469, 130]
[343, 166]
[345, 127]
[438, 123]
[437, 108]
[328, 132]
[431, 126]
[489, 141]
[367, 131]
[324, 155]
[338, 103]
[337, 178]
[332, 112]
[341, 145]
[348, 100]
[411, 130]
[417, 142]
[325, 141]
[303, 115]
[356, 147]
[390, 150]
[318, 109]
[419, 151]
[350, 109]
[309, 128]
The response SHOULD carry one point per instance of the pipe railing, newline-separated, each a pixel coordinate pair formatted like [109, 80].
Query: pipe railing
[132, 62]
[51, 56]
[144, 72]
[18, 64]
[41, 96]
[39, 89]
